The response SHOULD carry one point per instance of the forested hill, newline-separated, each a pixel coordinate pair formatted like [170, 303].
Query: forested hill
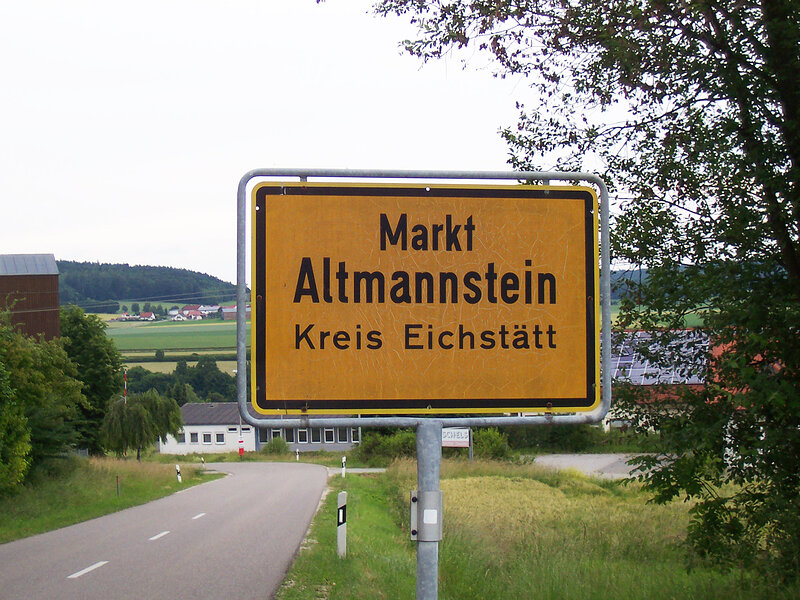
[88, 284]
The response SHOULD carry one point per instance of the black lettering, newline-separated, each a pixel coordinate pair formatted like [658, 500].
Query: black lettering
[341, 339]
[491, 278]
[401, 291]
[487, 340]
[469, 228]
[520, 341]
[303, 337]
[437, 229]
[451, 237]
[398, 235]
[374, 278]
[547, 278]
[463, 335]
[412, 336]
[444, 279]
[341, 277]
[503, 333]
[420, 278]
[469, 279]
[537, 334]
[420, 239]
[374, 339]
[509, 283]
[551, 334]
[441, 338]
[322, 336]
[306, 284]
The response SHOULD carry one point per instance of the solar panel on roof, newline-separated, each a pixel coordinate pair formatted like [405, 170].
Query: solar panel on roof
[682, 366]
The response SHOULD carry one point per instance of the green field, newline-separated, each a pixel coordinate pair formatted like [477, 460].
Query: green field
[512, 531]
[186, 336]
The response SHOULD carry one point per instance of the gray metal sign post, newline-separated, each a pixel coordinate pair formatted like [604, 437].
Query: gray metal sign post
[427, 497]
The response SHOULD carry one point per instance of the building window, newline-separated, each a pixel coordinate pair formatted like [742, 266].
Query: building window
[232, 429]
[276, 433]
[181, 438]
[193, 437]
[263, 435]
[341, 434]
[220, 438]
[302, 436]
[329, 436]
[316, 435]
[356, 435]
[289, 435]
[245, 429]
[206, 438]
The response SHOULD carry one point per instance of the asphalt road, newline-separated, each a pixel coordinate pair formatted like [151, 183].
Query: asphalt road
[611, 466]
[234, 537]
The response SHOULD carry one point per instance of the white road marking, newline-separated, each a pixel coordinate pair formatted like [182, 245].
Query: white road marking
[198, 516]
[160, 535]
[96, 565]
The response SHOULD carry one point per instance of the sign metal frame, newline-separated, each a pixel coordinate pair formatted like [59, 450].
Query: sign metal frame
[428, 429]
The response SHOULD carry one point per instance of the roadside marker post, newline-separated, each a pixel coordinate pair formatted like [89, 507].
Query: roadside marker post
[178, 472]
[344, 465]
[341, 524]
[292, 382]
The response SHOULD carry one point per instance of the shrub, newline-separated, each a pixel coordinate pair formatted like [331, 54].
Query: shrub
[275, 446]
[380, 449]
[491, 443]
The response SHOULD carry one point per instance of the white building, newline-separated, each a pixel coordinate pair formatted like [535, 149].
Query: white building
[210, 427]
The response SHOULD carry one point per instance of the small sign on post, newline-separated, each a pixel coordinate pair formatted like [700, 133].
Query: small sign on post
[341, 524]
[178, 472]
[455, 437]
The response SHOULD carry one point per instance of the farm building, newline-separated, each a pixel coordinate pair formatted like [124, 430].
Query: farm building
[29, 288]
[215, 427]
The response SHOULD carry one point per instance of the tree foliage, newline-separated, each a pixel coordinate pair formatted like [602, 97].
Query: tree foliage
[140, 420]
[201, 382]
[99, 368]
[46, 387]
[97, 286]
[15, 438]
[691, 111]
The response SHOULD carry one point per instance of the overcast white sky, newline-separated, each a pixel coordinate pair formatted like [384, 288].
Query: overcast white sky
[126, 126]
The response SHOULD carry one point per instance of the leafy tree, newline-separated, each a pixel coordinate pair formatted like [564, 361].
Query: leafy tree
[181, 371]
[206, 379]
[124, 308]
[182, 393]
[99, 369]
[46, 387]
[15, 438]
[140, 421]
[135, 308]
[140, 380]
[692, 112]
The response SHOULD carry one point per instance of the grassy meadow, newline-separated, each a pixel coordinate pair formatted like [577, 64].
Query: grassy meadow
[65, 491]
[511, 531]
[178, 336]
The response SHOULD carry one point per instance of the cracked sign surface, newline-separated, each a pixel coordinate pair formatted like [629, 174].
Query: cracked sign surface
[415, 299]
